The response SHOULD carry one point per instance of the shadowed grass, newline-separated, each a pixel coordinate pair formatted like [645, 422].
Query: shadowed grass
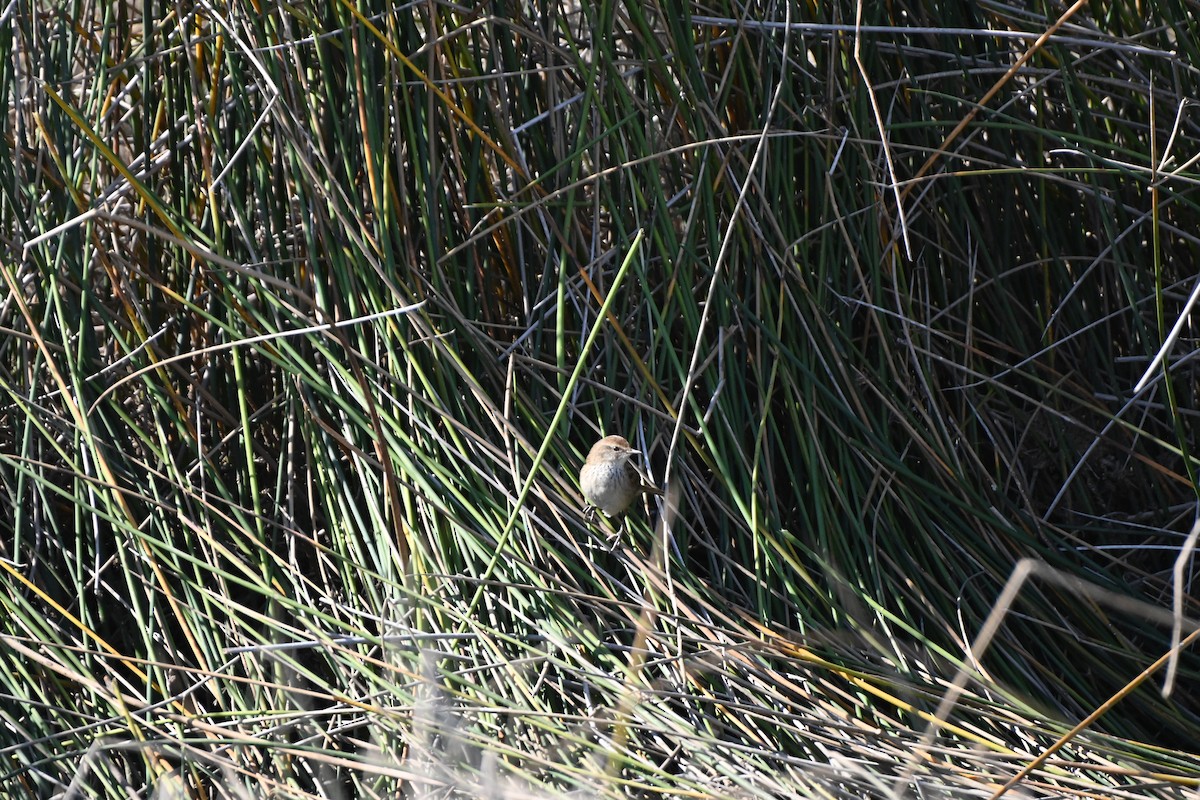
[294, 295]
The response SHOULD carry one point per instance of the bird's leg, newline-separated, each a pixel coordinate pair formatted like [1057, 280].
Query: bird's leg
[614, 538]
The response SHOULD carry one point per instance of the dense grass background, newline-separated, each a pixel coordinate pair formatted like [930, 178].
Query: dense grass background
[311, 311]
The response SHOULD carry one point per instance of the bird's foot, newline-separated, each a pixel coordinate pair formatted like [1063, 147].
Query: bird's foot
[612, 540]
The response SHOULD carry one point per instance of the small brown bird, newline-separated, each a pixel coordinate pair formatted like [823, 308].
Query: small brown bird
[611, 478]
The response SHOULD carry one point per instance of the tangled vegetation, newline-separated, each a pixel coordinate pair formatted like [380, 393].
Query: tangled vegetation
[311, 312]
